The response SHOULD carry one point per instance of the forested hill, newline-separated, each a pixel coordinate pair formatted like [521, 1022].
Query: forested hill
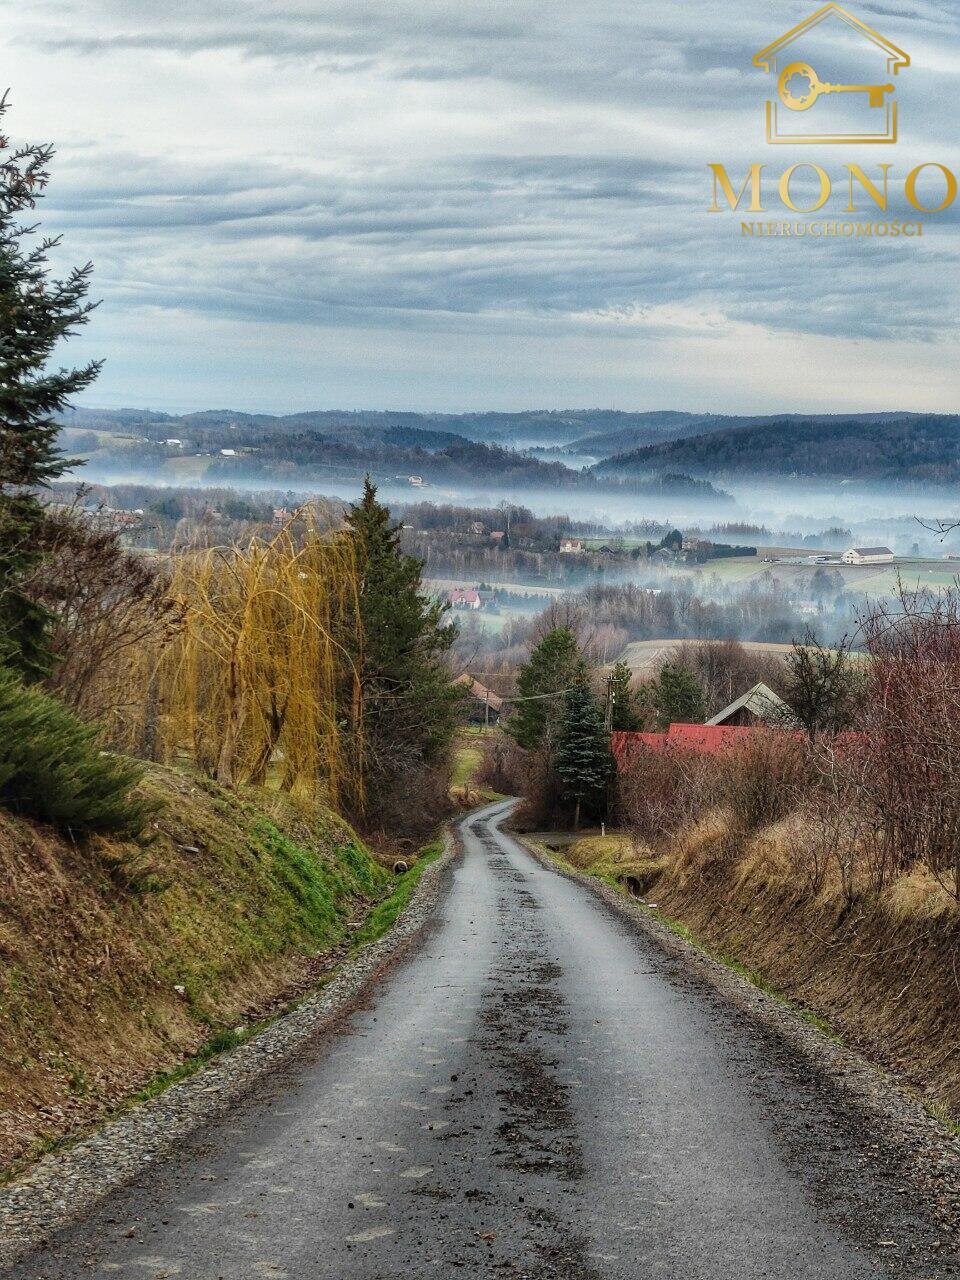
[913, 447]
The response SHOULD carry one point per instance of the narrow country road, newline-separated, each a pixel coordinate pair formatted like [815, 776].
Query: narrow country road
[538, 1091]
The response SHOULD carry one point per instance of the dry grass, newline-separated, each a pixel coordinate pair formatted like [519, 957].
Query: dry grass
[118, 960]
[881, 969]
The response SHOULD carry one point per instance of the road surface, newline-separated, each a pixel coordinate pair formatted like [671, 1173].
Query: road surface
[538, 1091]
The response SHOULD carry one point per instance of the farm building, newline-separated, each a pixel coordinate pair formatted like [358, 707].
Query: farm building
[486, 706]
[868, 555]
[759, 705]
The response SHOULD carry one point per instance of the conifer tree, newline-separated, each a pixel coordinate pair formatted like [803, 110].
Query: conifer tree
[554, 666]
[678, 696]
[408, 707]
[626, 707]
[36, 312]
[581, 756]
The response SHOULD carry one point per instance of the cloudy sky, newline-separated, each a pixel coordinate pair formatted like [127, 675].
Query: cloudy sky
[468, 204]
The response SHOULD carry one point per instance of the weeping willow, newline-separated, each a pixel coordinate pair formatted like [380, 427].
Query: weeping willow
[260, 683]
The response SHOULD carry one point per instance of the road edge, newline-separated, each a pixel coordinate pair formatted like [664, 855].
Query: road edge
[902, 1123]
[63, 1187]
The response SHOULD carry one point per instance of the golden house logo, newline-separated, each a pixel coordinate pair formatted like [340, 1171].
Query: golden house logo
[832, 82]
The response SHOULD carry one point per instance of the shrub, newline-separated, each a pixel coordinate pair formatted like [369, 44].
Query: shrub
[665, 789]
[51, 767]
[761, 779]
[904, 760]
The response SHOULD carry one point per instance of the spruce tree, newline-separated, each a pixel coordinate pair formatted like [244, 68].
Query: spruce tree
[554, 666]
[581, 757]
[37, 311]
[407, 707]
[678, 696]
[626, 706]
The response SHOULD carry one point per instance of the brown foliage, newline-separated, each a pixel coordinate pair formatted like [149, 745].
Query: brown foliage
[906, 761]
[108, 605]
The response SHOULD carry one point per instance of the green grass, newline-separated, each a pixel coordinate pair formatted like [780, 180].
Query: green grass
[466, 762]
[943, 1116]
[384, 915]
[380, 919]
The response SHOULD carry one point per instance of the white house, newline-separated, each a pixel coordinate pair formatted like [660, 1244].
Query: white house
[571, 547]
[868, 555]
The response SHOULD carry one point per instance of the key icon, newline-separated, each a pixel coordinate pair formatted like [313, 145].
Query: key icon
[802, 101]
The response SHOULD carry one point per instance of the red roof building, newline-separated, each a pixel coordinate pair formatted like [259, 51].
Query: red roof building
[705, 739]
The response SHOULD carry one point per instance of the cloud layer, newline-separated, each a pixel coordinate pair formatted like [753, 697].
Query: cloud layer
[455, 206]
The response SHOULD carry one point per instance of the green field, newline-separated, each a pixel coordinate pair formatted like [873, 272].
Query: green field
[874, 580]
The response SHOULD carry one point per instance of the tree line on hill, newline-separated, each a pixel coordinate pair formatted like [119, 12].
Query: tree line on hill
[892, 448]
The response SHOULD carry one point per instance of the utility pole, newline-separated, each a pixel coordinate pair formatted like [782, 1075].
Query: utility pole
[486, 709]
[608, 714]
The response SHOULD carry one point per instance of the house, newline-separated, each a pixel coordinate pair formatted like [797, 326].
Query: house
[228, 453]
[478, 528]
[416, 481]
[486, 707]
[464, 598]
[759, 705]
[868, 555]
[173, 443]
[571, 546]
[757, 708]
[497, 535]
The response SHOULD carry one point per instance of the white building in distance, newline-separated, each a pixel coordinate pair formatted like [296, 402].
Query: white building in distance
[868, 555]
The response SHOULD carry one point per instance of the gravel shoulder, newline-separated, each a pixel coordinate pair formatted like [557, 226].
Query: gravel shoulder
[66, 1185]
[881, 1121]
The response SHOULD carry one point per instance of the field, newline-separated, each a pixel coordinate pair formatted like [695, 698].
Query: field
[644, 657]
[873, 580]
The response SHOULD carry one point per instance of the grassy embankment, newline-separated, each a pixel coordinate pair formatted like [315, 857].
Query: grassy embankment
[126, 963]
[879, 973]
[468, 757]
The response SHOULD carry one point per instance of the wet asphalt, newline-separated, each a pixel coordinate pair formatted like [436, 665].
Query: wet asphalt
[537, 1091]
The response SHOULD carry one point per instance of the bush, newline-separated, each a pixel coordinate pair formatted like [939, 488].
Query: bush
[761, 779]
[51, 767]
[664, 789]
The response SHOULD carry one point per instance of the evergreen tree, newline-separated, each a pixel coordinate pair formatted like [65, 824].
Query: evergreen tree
[555, 665]
[626, 706]
[404, 701]
[36, 313]
[581, 757]
[678, 696]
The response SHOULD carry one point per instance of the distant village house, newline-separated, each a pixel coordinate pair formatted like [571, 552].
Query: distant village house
[486, 707]
[465, 598]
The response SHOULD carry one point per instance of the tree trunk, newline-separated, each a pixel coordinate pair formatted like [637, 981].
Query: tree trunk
[231, 736]
[576, 815]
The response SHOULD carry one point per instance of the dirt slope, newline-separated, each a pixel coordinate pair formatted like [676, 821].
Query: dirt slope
[118, 960]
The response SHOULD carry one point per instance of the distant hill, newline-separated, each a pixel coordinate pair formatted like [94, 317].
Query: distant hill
[225, 447]
[912, 447]
[525, 428]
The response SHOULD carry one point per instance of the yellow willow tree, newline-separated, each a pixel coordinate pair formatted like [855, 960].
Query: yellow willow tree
[258, 683]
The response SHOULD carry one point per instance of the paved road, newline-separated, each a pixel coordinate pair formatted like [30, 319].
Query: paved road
[538, 1092]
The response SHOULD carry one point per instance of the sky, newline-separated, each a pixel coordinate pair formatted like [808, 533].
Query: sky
[461, 205]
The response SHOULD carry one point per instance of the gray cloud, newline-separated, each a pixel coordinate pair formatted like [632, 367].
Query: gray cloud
[527, 169]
